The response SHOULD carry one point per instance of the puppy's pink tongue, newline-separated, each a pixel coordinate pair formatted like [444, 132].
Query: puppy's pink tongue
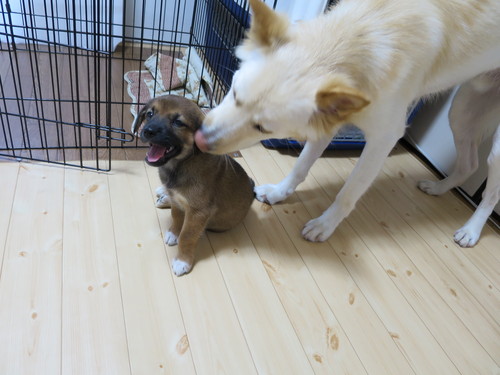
[200, 141]
[155, 153]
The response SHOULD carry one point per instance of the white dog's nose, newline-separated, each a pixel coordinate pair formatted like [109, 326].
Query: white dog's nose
[201, 141]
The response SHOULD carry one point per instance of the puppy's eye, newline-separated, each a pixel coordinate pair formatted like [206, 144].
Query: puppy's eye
[150, 113]
[178, 123]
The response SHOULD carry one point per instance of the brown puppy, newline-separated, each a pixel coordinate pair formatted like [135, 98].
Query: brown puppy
[206, 191]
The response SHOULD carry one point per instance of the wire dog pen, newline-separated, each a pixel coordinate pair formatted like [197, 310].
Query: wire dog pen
[73, 72]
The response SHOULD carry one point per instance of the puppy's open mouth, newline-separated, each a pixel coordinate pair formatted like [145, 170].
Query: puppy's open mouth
[158, 154]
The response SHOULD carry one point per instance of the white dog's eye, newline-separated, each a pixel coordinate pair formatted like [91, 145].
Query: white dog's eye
[260, 128]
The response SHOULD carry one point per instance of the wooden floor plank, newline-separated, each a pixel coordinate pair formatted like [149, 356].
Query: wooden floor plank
[156, 335]
[8, 184]
[446, 328]
[270, 336]
[390, 293]
[330, 353]
[30, 286]
[93, 329]
[484, 254]
[458, 281]
[371, 341]
[398, 316]
[375, 218]
[215, 335]
[460, 261]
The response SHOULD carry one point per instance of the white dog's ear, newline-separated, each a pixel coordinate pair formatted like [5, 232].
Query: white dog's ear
[267, 28]
[339, 99]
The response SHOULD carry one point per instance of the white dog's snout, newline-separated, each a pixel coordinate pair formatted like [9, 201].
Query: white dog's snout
[201, 140]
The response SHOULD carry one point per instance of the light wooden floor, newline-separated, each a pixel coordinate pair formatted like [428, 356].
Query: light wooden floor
[86, 286]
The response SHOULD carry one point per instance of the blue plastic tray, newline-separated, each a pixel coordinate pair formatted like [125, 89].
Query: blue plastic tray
[348, 138]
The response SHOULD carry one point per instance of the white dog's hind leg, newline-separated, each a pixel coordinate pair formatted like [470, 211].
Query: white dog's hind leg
[377, 148]
[468, 235]
[273, 193]
[474, 111]
[463, 118]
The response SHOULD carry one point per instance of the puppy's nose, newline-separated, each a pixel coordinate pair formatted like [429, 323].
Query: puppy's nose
[201, 141]
[148, 133]
[151, 130]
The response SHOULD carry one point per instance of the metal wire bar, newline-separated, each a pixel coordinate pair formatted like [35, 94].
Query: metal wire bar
[62, 93]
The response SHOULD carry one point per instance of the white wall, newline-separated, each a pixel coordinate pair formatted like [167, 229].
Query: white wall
[300, 9]
[145, 18]
[60, 22]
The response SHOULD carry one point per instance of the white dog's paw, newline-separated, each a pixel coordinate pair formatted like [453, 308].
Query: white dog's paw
[430, 187]
[466, 236]
[170, 238]
[317, 230]
[180, 267]
[272, 193]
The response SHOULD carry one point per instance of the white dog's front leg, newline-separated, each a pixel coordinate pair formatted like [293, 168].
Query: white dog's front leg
[364, 173]
[273, 193]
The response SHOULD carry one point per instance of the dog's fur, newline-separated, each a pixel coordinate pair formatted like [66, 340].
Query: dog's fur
[475, 112]
[205, 191]
[364, 62]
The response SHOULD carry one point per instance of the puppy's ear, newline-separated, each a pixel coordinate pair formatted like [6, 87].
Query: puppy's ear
[139, 119]
[340, 100]
[268, 28]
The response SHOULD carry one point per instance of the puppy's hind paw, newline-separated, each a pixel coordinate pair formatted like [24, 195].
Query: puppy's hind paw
[180, 267]
[466, 237]
[170, 238]
[272, 193]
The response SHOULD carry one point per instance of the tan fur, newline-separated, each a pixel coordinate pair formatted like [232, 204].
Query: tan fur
[271, 30]
[205, 191]
[340, 100]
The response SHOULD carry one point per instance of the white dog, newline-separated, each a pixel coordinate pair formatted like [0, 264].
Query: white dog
[364, 62]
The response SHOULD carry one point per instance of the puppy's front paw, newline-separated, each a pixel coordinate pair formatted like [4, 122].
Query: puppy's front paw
[466, 236]
[430, 187]
[170, 238]
[181, 267]
[161, 190]
[163, 201]
[317, 230]
[162, 197]
[272, 193]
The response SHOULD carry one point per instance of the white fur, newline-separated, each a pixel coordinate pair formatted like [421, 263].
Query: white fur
[387, 52]
[475, 111]
[180, 267]
[160, 191]
[162, 197]
[170, 238]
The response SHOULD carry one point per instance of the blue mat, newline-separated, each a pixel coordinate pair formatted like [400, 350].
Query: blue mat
[348, 138]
